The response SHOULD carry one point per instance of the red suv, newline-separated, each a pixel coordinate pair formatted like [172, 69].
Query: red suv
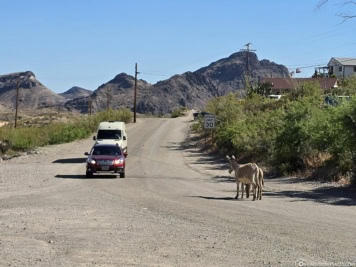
[106, 158]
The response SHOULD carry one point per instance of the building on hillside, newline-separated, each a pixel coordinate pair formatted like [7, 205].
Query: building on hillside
[342, 67]
[285, 85]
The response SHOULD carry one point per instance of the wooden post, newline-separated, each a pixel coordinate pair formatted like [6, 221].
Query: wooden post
[135, 93]
[17, 101]
[107, 98]
[89, 106]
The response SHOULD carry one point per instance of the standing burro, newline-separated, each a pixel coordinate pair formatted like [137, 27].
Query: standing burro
[112, 132]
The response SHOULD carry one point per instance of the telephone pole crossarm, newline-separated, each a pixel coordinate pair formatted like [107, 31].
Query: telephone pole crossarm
[248, 50]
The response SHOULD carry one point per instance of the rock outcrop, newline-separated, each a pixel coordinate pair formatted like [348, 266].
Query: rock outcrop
[32, 93]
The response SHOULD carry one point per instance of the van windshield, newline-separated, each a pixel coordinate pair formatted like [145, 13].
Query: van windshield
[109, 134]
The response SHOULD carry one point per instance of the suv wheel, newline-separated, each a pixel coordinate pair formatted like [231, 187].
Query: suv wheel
[89, 174]
[122, 175]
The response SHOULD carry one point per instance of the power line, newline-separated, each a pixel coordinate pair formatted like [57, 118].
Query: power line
[157, 74]
[317, 65]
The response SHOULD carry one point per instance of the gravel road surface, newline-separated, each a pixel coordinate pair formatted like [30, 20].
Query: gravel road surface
[174, 208]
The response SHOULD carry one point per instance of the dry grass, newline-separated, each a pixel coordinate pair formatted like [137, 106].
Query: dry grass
[316, 160]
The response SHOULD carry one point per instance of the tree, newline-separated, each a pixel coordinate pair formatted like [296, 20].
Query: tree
[344, 4]
[307, 89]
[264, 89]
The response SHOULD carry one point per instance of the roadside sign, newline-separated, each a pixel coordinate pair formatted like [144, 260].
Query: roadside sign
[209, 122]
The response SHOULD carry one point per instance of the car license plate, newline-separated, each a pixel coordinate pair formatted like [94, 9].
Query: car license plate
[104, 168]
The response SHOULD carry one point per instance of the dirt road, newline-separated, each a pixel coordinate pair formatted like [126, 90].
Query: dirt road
[175, 208]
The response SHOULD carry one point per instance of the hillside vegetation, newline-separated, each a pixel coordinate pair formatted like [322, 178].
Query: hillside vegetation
[25, 138]
[298, 133]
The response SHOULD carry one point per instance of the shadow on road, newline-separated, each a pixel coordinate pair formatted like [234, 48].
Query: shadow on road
[225, 179]
[214, 198]
[70, 160]
[214, 161]
[332, 195]
[327, 195]
[70, 176]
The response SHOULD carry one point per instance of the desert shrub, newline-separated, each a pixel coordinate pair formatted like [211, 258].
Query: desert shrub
[123, 114]
[307, 130]
[178, 112]
[290, 135]
[197, 127]
[343, 147]
[307, 89]
[63, 133]
[347, 86]
[21, 138]
[25, 138]
[251, 137]
[226, 108]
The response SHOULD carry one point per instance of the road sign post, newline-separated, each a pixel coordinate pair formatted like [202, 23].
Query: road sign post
[209, 123]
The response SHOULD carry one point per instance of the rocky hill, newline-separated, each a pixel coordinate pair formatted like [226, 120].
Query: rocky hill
[227, 74]
[119, 91]
[190, 89]
[32, 93]
[75, 92]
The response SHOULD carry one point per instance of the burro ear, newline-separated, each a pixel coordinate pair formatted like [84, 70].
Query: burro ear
[233, 156]
[227, 157]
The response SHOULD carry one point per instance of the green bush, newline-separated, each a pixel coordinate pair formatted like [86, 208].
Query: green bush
[178, 112]
[306, 130]
[226, 108]
[25, 138]
[347, 86]
[291, 134]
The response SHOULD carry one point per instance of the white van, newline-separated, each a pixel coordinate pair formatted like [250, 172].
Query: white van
[112, 132]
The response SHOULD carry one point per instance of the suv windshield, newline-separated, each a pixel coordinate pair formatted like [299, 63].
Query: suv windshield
[109, 134]
[106, 150]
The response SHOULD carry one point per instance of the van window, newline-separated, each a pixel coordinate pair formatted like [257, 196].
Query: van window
[109, 134]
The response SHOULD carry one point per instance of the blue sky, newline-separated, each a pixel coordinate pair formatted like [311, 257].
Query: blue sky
[86, 43]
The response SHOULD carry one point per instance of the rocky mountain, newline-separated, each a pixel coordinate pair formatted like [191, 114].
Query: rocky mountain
[227, 74]
[32, 93]
[190, 89]
[119, 91]
[3, 108]
[75, 92]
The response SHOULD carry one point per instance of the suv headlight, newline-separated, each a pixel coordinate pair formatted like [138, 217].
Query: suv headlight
[91, 161]
[119, 161]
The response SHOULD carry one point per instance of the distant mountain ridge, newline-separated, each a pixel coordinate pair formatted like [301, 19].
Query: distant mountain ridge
[76, 92]
[32, 93]
[190, 89]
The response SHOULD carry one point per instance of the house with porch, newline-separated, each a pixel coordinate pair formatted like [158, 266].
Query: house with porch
[342, 67]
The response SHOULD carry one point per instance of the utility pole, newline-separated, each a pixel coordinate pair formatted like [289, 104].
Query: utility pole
[135, 93]
[89, 106]
[17, 100]
[107, 98]
[248, 50]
